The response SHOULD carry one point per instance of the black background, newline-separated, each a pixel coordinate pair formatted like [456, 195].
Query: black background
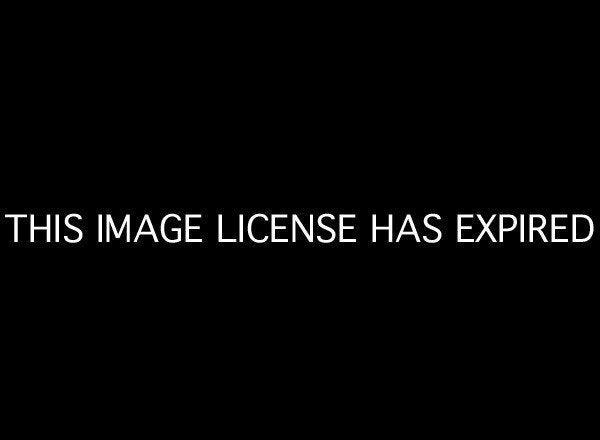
[386, 112]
